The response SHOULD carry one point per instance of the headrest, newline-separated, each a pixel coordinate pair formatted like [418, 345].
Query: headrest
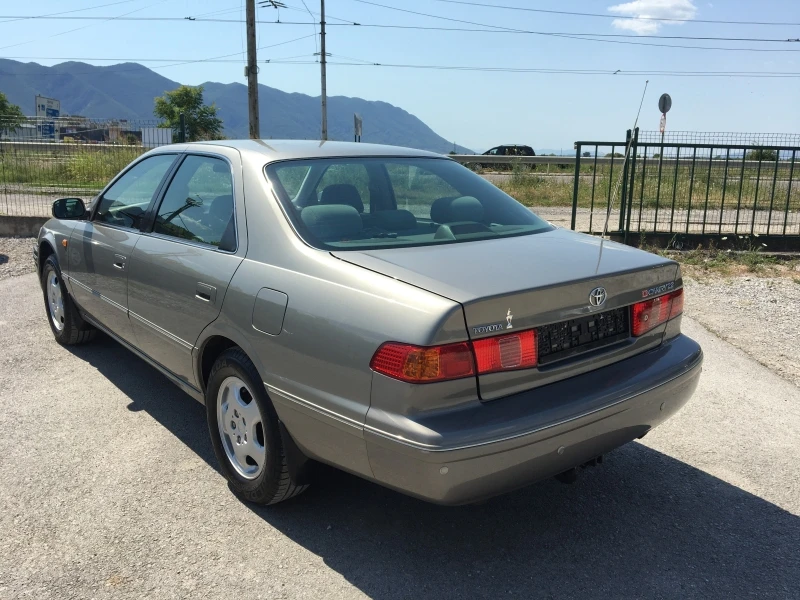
[342, 193]
[331, 222]
[393, 220]
[451, 210]
[221, 207]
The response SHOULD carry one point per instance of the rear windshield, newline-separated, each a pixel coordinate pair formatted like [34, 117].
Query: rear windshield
[369, 203]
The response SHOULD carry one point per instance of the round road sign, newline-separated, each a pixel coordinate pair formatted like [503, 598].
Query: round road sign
[664, 103]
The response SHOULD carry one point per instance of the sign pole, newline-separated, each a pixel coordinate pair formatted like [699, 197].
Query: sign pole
[664, 104]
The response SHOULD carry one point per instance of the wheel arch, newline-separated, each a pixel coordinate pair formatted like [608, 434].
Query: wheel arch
[213, 345]
[217, 337]
[46, 249]
[210, 350]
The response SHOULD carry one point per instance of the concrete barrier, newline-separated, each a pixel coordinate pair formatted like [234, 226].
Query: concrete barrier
[21, 226]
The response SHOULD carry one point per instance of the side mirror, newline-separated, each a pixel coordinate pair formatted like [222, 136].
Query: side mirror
[69, 208]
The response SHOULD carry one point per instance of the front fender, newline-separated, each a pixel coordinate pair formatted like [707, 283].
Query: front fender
[55, 234]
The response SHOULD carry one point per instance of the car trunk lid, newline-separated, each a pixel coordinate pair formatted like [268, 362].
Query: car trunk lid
[538, 281]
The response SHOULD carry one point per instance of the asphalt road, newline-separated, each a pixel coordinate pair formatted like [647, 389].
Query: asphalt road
[108, 489]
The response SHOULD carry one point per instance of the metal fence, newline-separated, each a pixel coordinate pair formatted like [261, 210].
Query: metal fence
[748, 187]
[43, 159]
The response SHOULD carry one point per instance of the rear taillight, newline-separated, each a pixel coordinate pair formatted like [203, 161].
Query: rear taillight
[418, 364]
[506, 352]
[652, 313]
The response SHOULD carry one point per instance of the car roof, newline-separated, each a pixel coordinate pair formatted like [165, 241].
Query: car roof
[289, 149]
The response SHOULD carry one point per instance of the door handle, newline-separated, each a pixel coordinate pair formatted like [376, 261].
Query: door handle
[119, 262]
[205, 292]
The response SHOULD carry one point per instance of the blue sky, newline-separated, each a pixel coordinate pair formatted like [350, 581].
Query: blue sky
[475, 109]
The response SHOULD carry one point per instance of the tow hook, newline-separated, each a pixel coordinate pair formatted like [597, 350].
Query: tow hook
[571, 475]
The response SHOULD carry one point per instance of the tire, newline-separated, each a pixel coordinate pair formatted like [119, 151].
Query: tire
[234, 395]
[65, 321]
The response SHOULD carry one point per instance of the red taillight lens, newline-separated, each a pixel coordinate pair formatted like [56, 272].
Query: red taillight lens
[506, 352]
[417, 364]
[652, 313]
[677, 303]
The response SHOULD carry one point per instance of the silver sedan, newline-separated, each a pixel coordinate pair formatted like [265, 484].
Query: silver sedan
[379, 309]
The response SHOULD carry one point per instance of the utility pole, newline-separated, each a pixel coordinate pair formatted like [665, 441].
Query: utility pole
[251, 72]
[322, 64]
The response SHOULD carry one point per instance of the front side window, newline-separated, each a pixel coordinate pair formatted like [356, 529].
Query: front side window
[126, 201]
[198, 205]
[412, 202]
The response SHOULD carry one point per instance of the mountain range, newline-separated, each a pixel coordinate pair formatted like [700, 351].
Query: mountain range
[128, 90]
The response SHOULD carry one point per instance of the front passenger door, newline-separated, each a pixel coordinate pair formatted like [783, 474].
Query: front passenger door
[99, 249]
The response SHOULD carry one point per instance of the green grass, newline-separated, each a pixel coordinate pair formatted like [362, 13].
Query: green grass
[700, 188]
[65, 165]
[748, 256]
[89, 167]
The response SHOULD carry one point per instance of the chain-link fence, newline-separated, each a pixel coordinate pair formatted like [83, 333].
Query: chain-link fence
[42, 159]
[720, 138]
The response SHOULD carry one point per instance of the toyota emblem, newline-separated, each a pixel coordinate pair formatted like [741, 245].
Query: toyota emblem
[597, 296]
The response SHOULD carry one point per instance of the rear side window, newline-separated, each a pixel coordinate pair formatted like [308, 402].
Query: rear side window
[198, 205]
[125, 203]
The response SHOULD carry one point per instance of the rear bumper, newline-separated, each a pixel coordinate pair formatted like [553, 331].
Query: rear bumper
[489, 448]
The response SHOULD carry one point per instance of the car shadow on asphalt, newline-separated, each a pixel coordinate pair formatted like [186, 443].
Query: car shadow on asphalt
[641, 525]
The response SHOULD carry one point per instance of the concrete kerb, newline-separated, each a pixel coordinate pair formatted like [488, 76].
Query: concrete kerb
[13, 226]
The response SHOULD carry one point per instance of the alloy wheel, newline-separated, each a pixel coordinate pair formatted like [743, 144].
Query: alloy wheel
[55, 300]
[241, 428]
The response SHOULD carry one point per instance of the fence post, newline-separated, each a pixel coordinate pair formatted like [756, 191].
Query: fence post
[182, 129]
[632, 186]
[624, 191]
[576, 184]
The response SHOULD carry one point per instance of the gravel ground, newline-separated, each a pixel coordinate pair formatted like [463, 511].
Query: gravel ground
[758, 315]
[16, 256]
[109, 489]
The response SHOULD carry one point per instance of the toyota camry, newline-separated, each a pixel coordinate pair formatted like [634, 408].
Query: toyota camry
[379, 309]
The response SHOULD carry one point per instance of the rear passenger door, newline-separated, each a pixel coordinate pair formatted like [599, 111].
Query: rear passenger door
[185, 259]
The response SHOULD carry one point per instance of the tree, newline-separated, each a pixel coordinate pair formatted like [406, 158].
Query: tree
[202, 122]
[762, 154]
[11, 116]
[587, 155]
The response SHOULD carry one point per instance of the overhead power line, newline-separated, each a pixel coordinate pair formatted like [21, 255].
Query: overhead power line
[601, 35]
[67, 12]
[604, 16]
[77, 28]
[610, 72]
[223, 58]
[481, 28]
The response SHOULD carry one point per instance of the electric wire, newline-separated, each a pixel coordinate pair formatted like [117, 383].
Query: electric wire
[626, 17]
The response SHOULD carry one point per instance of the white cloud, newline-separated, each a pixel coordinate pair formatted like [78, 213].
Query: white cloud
[644, 10]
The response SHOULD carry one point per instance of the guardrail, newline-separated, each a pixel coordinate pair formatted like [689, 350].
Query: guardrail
[481, 159]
